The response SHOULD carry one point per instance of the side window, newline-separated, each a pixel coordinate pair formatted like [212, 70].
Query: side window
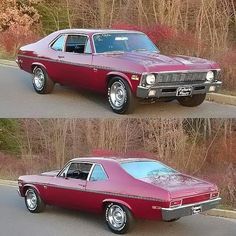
[79, 171]
[76, 43]
[98, 174]
[58, 45]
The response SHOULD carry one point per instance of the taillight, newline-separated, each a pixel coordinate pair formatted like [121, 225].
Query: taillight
[175, 203]
[214, 195]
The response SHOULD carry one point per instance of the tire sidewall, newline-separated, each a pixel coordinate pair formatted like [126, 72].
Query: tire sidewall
[38, 200]
[124, 107]
[125, 227]
[45, 80]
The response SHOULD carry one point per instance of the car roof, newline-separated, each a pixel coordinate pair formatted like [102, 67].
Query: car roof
[102, 160]
[96, 31]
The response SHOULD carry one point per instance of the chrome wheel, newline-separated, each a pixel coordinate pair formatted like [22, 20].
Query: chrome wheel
[31, 199]
[39, 78]
[116, 217]
[118, 94]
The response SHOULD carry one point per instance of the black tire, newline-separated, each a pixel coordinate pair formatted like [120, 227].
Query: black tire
[39, 203]
[44, 85]
[192, 101]
[127, 222]
[128, 101]
[172, 220]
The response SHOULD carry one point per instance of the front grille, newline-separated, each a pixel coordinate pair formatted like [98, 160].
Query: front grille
[181, 77]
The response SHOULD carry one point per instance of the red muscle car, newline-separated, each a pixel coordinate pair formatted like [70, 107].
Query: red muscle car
[120, 189]
[125, 65]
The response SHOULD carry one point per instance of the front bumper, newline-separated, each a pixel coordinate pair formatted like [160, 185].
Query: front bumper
[170, 90]
[186, 210]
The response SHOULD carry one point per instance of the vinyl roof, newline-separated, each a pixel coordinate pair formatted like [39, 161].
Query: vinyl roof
[94, 31]
[109, 159]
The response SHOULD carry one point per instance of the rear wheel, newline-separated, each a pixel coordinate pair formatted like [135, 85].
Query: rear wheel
[118, 218]
[33, 201]
[41, 81]
[120, 96]
[192, 101]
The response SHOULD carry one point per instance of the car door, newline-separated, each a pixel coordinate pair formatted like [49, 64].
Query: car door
[77, 61]
[98, 188]
[55, 55]
[68, 188]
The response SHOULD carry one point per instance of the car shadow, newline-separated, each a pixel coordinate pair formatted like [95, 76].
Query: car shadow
[192, 225]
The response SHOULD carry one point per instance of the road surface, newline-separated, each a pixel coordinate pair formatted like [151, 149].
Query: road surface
[18, 100]
[15, 220]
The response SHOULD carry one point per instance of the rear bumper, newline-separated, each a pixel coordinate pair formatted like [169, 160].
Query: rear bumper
[186, 210]
[170, 90]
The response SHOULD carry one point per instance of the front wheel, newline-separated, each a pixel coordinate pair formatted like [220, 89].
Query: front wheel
[33, 201]
[118, 218]
[192, 101]
[120, 96]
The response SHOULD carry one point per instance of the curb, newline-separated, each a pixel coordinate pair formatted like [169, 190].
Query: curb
[8, 183]
[221, 98]
[8, 63]
[221, 213]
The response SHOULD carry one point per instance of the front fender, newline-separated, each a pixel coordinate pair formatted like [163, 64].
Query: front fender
[122, 75]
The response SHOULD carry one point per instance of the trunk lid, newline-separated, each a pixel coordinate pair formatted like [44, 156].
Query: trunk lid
[180, 185]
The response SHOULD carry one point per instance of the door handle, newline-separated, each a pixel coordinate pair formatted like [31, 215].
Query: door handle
[82, 185]
[61, 57]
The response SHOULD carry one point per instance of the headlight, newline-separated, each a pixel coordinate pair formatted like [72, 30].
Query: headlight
[210, 76]
[151, 79]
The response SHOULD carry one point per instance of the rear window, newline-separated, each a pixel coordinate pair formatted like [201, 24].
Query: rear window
[58, 45]
[146, 169]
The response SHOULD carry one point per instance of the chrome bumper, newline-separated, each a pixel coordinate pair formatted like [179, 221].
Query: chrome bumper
[190, 209]
[170, 90]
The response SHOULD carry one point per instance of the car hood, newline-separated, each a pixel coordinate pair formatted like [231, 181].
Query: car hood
[51, 173]
[155, 61]
[180, 185]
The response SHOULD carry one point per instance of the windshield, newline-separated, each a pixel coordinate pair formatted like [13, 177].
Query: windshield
[123, 42]
[146, 169]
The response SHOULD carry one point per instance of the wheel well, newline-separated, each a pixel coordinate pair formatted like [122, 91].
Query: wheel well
[33, 67]
[109, 77]
[25, 189]
[104, 204]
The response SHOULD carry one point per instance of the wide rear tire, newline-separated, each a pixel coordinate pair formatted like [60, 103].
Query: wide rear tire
[118, 218]
[192, 101]
[42, 83]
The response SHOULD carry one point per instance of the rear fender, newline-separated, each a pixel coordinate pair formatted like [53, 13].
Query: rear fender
[117, 201]
[26, 186]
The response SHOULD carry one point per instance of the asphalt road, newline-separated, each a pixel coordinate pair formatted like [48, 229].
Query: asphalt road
[15, 220]
[18, 100]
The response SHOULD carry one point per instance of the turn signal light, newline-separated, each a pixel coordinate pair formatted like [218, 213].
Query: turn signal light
[214, 195]
[176, 203]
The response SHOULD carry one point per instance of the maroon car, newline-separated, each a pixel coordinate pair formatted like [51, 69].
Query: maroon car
[125, 65]
[120, 189]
